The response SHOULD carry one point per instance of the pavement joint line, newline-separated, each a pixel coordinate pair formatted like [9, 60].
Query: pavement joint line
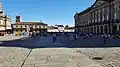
[26, 58]
[78, 64]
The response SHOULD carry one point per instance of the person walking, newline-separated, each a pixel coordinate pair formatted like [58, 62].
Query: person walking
[54, 38]
[75, 36]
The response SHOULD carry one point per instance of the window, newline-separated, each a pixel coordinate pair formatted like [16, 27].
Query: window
[96, 16]
[99, 15]
[16, 25]
[92, 16]
[25, 30]
[103, 10]
[115, 15]
[115, 6]
[103, 18]
[21, 26]
[25, 26]
[107, 16]
[35, 26]
[43, 26]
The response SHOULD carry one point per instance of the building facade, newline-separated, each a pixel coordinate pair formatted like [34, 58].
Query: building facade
[5, 22]
[103, 17]
[30, 27]
[59, 29]
[20, 27]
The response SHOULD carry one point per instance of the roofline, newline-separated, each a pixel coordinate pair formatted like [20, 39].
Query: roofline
[89, 8]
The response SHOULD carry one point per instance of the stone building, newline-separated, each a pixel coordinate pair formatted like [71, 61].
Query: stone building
[5, 22]
[102, 17]
[59, 29]
[19, 26]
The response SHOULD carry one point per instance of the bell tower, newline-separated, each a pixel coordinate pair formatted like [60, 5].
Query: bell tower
[18, 20]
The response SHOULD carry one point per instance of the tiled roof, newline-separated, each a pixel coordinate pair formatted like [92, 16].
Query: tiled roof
[69, 27]
[32, 23]
[59, 25]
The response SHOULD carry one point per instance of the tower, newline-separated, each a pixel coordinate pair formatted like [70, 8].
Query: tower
[18, 19]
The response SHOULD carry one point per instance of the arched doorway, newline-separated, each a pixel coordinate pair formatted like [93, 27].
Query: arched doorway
[98, 29]
[106, 29]
[94, 29]
[91, 29]
[101, 29]
[114, 29]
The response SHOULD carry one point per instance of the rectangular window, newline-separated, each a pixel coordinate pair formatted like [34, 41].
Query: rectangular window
[115, 6]
[93, 17]
[96, 16]
[99, 15]
[107, 16]
[103, 18]
[16, 25]
[115, 15]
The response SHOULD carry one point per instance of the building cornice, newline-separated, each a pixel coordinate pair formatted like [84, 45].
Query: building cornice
[89, 8]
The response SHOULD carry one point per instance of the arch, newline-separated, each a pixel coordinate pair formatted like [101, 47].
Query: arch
[98, 31]
[101, 29]
[114, 29]
[105, 29]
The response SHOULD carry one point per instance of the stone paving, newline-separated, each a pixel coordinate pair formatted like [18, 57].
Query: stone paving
[8, 38]
[48, 54]
[58, 57]
[12, 56]
[95, 41]
[111, 56]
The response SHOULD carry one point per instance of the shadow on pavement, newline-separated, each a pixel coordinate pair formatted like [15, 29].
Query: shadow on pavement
[15, 43]
[29, 43]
